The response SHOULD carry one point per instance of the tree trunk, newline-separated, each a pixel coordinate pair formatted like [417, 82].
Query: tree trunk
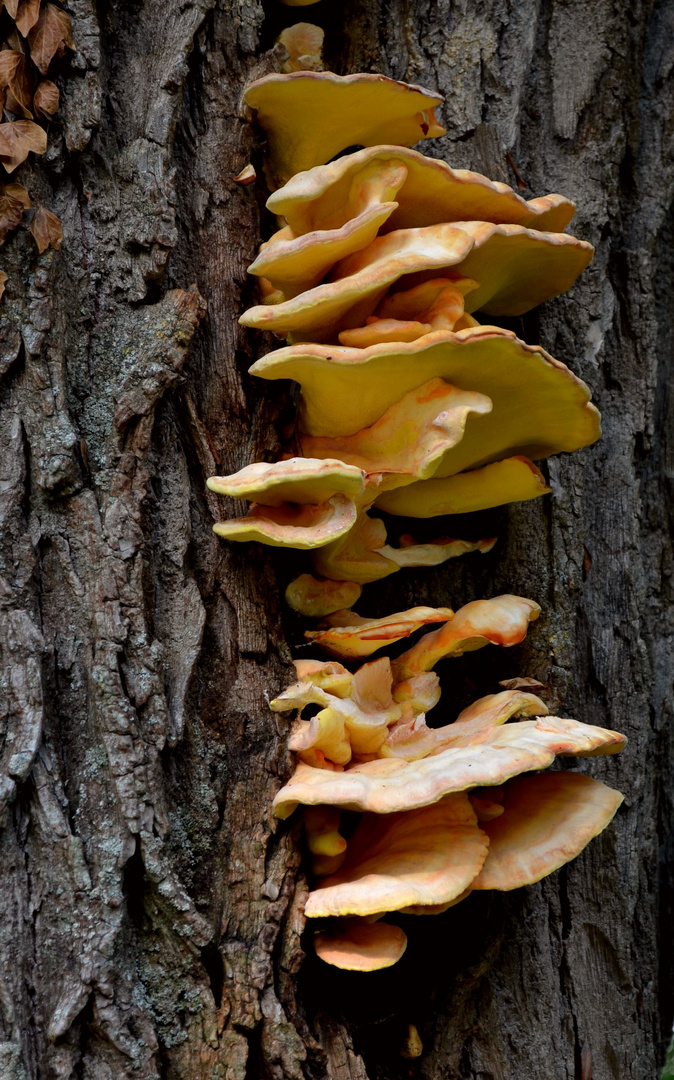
[151, 905]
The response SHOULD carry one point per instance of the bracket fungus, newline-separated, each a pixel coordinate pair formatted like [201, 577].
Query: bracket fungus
[380, 260]
[515, 269]
[348, 635]
[411, 407]
[445, 810]
[361, 946]
[299, 502]
[304, 44]
[431, 192]
[311, 116]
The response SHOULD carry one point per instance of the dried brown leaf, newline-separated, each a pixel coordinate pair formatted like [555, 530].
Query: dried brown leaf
[11, 215]
[9, 59]
[3, 280]
[46, 100]
[15, 76]
[16, 42]
[18, 139]
[50, 35]
[45, 228]
[12, 7]
[27, 15]
[18, 191]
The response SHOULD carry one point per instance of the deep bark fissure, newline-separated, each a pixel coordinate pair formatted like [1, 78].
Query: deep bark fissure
[152, 907]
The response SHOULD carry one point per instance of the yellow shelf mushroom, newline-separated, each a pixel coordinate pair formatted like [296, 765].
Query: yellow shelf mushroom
[410, 406]
[431, 192]
[311, 116]
[515, 268]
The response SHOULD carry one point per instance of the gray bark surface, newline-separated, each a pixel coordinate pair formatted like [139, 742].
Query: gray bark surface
[151, 906]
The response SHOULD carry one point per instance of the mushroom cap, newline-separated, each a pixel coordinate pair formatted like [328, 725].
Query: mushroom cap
[325, 732]
[412, 740]
[292, 525]
[434, 552]
[294, 264]
[421, 693]
[547, 821]
[356, 288]
[519, 268]
[316, 597]
[564, 735]
[356, 717]
[515, 479]
[327, 675]
[363, 555]
[503, 620]
[361, 946]
[356, 636]
[310, 116]
[302, 480]
[321, 827]
[427, 856]
[387, 785]
[516, 268]
[411, 437]
[304, 44]
[355, 556]
[539, 407]
[432, 192]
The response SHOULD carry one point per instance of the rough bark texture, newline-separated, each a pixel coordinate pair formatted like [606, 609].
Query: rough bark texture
[151, 907]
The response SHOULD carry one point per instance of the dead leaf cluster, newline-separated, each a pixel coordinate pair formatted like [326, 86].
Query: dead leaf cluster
[32, 34]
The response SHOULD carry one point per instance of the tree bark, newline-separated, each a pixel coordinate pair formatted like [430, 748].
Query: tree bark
[151, 905]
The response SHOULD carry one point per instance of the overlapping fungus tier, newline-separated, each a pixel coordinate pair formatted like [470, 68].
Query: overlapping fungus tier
[445, 810]
[383, 262]
[382, 259]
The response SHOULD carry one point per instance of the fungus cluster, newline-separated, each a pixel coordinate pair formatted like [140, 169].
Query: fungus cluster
[408, 404]
[411, 406]
[445, 810]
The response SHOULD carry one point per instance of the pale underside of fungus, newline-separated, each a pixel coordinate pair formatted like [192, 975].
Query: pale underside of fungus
[380, 264]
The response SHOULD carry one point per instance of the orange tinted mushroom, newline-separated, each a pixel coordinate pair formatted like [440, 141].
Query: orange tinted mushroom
[360, 281]
[361, 946]
[304, 44]
[514, 479]
[387, 785]
[354, 718]
[292, 525]
[538, 406]
[411, 739]
[411, 437]
[547, 820]
[516, 269]
[363, 555]
[302, 503]
[428, 856]
[290, 265]
[316, 597]
[504, 620]
[350, 635]
[321, 827]
[296, 480]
